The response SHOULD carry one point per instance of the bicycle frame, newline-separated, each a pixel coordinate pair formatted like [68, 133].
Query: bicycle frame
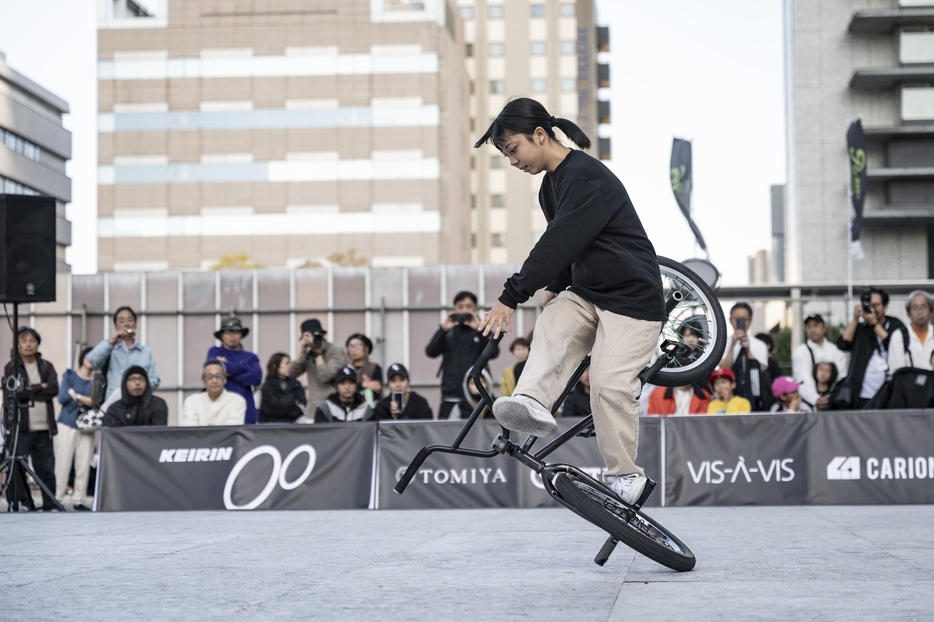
[535, 461]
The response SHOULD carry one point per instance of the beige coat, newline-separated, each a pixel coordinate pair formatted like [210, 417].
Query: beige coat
[319, 376]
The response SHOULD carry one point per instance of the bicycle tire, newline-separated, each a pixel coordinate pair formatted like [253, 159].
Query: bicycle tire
[697, 308]
[631, 527]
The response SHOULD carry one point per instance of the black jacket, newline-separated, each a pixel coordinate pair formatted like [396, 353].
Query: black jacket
[35, 392]
[595, 244]
[417, 408]
[577, 403]
[861, 348]
[460, 348]
[277, 405]
[146, 409]
[333, 410]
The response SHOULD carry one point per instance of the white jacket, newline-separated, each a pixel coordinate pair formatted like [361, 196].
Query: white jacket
[802, 366]
[228, 409]
[920, 352]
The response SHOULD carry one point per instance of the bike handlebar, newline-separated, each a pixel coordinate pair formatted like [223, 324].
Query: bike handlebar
[486, 355]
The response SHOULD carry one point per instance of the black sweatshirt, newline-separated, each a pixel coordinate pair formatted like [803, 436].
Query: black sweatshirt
[594, 243]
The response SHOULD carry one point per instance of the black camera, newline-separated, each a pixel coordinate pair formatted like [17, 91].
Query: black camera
[461, 318]
[866, 299]
[318, 338]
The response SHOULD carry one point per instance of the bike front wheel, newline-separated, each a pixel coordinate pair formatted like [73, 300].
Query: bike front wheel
[631, 527]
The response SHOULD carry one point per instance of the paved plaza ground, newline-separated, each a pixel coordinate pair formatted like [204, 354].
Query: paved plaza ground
[754, 563]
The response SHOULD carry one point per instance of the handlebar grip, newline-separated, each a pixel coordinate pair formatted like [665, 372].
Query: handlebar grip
[486, 354]
[410, 472]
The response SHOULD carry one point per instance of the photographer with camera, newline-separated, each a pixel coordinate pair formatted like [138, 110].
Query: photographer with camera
[748, 358]
[867, 337]
[459, 344]
[36, 414]
[320, 361]
[123, 351]
[401, 403]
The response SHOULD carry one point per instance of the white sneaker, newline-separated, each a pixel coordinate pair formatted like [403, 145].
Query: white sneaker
[523, 414]
[628, 487]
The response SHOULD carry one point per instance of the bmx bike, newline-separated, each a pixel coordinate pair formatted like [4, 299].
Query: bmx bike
[689, 303]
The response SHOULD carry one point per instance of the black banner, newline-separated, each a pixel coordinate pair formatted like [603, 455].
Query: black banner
[584, 454]
[682, 182]
[856, 148]
[871, 457]
[306, 467]
[736, 459]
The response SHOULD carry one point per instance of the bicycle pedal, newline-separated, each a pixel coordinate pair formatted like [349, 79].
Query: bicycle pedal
[649, 487]
[500, 444]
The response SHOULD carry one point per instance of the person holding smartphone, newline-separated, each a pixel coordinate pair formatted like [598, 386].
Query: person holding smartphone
[401, 403]
[748, 357]
[121, 352]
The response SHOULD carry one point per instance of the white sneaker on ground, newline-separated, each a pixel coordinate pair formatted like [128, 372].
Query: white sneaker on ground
[628, 487]
[523, 414]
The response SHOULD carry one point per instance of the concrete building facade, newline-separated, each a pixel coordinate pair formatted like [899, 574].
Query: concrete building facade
[286, 132]
[546, 50]
[34, 147]
[872, 59]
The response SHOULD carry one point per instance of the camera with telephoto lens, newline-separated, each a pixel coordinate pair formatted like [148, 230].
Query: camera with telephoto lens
[461, 318]
[866, 299]
[318, 338]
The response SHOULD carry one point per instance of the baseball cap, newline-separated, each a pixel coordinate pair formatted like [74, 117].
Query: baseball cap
[816, 317]
[344, 373]
[397, 369]
[722, 372]
[783, 385]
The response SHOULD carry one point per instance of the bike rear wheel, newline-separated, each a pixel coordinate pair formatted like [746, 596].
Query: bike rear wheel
[690, 304]
[633, 528]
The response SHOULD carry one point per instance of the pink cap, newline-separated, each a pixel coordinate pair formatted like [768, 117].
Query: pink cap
[783, 385]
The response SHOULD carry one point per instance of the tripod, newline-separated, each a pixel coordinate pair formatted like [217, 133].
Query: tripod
[14, 386]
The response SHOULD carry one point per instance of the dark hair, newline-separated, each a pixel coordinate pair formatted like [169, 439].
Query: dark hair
[519, 341]
[82, 356]
[363, 338]
[209, 362]
[882, 293]
[522, 116]
[465, 294]
[767, 340]
[32, 331]
[272, 367]
[117, 312]
[834, 372]
[741, 305]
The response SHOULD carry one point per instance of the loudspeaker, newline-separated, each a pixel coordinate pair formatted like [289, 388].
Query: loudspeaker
[27, 248]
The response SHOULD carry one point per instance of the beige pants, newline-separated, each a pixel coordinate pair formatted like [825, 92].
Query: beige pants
[70, 444]
[569, 329]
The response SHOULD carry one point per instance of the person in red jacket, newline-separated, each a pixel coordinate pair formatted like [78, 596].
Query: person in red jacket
[689, 400]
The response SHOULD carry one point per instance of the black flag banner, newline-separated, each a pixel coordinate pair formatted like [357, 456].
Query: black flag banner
[856, 148]
[682, 181]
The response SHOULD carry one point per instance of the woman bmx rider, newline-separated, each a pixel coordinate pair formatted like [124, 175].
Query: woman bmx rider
[603, 290]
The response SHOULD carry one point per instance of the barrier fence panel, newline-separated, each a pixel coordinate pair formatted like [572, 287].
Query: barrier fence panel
[871, 457]
[301, 467]
[737, 459]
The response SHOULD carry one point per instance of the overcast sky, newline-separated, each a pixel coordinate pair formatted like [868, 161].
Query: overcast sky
[710, 72]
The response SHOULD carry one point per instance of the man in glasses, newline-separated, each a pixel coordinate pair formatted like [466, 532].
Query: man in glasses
[215, 405]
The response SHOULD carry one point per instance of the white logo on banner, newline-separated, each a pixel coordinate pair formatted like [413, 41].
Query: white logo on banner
[279, 469]
[843, 467]
[196, 454]
[456, 476]
[713, 471]
[594, 472]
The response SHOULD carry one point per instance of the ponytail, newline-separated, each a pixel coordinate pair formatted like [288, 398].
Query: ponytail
[522, 116]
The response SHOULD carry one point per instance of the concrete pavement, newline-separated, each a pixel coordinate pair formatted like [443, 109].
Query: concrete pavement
[754, 563]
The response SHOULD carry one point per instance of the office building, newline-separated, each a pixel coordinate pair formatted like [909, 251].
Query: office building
[873, 60]
[34, 147]
[287, 133]
[546, 50]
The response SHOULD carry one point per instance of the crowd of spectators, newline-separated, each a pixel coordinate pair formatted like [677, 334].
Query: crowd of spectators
[116, 380]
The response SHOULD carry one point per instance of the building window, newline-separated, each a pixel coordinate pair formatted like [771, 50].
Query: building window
[473, 201]
[496, 49]
[497, 86]
[568, 47]
[472, 87]
[466, 12]
[496, 161]
[498, 240]
[567, 9]
[568, 84]
[497, 200]
[20, 145]
[539, 86]
[473, 240]
[496, 11]
[8, 186]
[538, 48]
[538, 10]
[473, 124]
[468, 50]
